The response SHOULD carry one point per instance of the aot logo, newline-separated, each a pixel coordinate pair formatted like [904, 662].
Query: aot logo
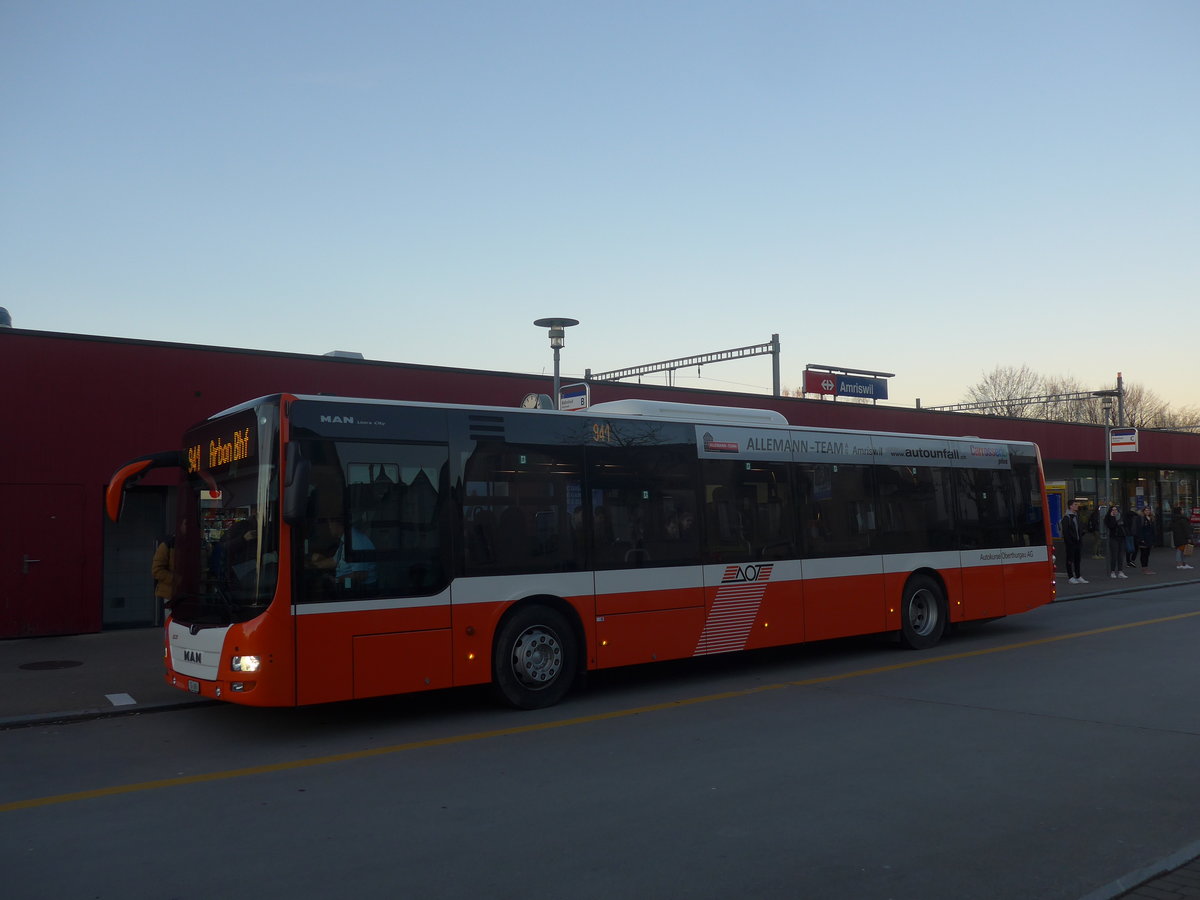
[745, 574]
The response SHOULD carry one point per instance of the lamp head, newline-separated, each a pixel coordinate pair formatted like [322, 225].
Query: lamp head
[558, 330]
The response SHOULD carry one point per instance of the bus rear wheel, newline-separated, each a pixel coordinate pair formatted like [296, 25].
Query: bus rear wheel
[922, 613]
[535, 658]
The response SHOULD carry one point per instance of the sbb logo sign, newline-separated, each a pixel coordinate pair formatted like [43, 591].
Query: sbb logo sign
[820, 383]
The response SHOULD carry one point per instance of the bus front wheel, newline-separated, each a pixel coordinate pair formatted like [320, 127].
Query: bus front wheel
[922, 613]
[535, 658]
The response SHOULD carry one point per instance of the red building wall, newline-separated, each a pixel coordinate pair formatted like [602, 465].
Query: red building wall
[77, 407]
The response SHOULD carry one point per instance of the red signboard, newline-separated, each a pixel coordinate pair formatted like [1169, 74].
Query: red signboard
[820, 382]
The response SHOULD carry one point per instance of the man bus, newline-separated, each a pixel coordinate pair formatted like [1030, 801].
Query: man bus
[335, 548]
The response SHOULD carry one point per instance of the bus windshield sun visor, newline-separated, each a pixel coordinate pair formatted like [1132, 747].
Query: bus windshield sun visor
[131, 472]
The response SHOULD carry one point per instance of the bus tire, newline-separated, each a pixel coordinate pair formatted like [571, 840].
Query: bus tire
[922, 613]
[535, 658]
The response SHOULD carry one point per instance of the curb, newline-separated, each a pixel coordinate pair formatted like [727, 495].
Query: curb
[1128, 589]
[1131, 881]
[34, 719]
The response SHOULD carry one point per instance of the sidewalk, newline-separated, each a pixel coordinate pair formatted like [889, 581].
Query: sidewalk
[51, 679]
[1095, 570]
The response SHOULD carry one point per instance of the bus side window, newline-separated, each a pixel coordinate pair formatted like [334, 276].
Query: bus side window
[747, 507]
[376, 521]
[1027, 494]
[916, 509]
[518, 508]
[643, 502]
[839, 511]
[985, 505]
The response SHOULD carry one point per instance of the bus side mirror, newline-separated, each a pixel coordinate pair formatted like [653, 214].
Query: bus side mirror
[114, 494]
[295, 490]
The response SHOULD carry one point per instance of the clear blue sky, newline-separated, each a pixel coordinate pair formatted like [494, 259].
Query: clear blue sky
[926, 188]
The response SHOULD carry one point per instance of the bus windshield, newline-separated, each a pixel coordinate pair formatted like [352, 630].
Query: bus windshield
[227, 542]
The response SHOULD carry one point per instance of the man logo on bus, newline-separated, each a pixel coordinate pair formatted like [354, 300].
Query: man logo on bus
[743, 574]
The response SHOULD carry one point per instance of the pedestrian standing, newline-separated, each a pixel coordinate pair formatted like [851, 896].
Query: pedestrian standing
[1072, 535]
[1147, 537]
[1131, 528]
[1181, 537]
[1115, 526]
[1093, 527]
[162, 568]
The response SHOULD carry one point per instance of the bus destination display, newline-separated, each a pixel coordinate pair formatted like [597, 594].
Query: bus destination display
[230, 446]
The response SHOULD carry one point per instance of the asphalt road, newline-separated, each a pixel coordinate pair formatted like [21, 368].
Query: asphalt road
[1041, 756]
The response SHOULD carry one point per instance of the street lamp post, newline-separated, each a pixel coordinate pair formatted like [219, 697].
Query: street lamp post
[558, 338]
[1106, 403]
[1108, 447]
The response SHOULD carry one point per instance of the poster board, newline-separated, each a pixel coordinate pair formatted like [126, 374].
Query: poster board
[1056, 499]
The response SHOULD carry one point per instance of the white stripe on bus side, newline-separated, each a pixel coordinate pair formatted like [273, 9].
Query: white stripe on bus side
[509, 588]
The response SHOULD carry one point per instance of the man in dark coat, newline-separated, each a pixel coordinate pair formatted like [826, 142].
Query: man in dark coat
[1071, 530]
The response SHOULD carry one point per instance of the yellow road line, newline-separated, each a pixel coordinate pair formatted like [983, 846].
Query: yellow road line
[561, 723]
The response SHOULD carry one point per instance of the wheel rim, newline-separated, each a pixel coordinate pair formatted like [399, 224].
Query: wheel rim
[923, 612]
[537, 657]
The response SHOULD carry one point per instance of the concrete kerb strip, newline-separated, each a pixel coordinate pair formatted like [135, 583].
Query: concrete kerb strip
[1139, 877]
[1127, 589]
[34, 719]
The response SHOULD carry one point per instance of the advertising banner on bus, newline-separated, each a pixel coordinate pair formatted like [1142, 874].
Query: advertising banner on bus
[714, 441]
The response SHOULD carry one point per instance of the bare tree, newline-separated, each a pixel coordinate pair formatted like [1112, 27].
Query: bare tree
[1064, 410]
[1142, 406]
[1006, 387]
[1187, 417]
[1003, 389]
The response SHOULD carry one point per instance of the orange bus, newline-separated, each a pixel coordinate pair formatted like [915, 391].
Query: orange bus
[335, 548]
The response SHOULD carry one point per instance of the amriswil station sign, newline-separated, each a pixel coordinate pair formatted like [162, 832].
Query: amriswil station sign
[840, 384]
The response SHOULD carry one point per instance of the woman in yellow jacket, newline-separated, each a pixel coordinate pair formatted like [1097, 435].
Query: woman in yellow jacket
[163, 570]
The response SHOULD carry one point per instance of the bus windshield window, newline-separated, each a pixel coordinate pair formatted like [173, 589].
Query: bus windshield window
[227, 540]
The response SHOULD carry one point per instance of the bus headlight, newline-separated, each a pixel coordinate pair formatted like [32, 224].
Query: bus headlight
[246, 663]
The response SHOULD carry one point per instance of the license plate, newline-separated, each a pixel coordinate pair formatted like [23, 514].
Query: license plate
[194, 686]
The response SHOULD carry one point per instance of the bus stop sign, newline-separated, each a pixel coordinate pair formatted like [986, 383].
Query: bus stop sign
[1123, 440]
[574, 396]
